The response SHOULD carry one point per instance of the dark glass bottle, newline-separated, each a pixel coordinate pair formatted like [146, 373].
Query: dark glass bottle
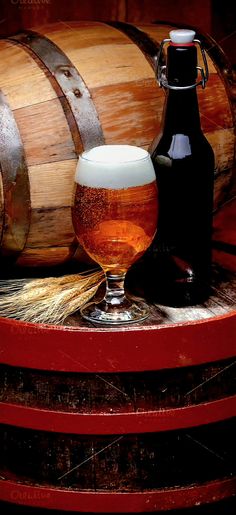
[180, 259]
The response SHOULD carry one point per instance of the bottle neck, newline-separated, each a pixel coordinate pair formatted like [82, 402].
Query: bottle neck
[181, 113]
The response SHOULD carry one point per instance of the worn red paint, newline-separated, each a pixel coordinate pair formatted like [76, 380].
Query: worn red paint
[118, 423]
[117, 502]
[128, 349]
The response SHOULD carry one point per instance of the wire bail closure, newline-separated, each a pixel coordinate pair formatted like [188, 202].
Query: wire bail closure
[161, 70]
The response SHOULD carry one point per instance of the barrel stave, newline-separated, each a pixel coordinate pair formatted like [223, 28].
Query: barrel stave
[134, 463]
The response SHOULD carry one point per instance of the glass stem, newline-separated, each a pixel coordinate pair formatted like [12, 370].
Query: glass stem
[115, 293]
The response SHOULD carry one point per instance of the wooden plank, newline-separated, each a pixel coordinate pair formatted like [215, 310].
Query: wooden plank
[214, 105]
[106, 61]
[44, 256]
[181, 315]
[52, 184]
[130, 112]
[82, 34]
[224, 287]
[222, 300]
[112, 394]
[222, 187]
[170, 459]
[45, 132]
[21, 79]
[225, 223]
[224, 232]
[156, 31]
[50, 228]
[222, 141]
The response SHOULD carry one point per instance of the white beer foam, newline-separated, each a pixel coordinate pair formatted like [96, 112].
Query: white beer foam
[115, 167]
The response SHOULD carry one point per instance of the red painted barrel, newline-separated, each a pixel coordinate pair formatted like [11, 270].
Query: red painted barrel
[128, 420]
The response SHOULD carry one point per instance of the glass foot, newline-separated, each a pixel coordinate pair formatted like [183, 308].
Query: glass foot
[103, 312]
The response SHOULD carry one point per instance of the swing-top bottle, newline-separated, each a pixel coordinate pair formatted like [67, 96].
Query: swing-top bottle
[184, 164]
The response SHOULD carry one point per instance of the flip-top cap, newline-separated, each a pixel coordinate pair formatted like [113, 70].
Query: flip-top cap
[182, 36]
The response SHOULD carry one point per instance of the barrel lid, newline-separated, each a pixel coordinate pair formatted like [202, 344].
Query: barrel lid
[182, 36]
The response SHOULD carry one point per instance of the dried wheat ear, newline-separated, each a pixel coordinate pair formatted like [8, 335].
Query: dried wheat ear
[49, 300]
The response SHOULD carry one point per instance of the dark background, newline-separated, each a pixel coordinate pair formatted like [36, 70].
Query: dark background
[217, 17]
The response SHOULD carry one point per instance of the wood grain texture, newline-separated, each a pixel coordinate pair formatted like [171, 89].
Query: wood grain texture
[115, 60]
[225, 224]
[133, 463]
[222, 188]
[138, 109]
[81, 34]
[45, 133]
[46, 190]
[223, 143]
[50, 256]
[224, 236]
[21, 78]
[52, 225]
[214, 106]
[118, 393]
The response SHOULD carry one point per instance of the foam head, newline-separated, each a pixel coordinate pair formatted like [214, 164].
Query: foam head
[115, 167]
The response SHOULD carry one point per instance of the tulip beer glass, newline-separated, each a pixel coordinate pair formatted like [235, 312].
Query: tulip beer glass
[115, 219]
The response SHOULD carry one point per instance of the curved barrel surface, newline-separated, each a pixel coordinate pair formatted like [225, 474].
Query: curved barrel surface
[67, 87]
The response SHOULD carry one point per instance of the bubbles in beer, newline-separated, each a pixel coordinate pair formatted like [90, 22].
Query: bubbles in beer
[115, 167]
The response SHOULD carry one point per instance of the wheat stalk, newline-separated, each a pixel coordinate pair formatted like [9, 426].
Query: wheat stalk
[48, 300]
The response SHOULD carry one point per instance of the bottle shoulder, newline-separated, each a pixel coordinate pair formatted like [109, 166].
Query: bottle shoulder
[181, 145]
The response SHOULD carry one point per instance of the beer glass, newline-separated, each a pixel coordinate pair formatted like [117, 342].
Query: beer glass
[115, 218]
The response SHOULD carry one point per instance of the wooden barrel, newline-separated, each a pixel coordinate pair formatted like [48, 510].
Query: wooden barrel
[127, 420]
[69, 86]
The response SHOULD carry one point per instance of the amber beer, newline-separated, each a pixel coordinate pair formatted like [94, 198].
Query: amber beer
[115, 207]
